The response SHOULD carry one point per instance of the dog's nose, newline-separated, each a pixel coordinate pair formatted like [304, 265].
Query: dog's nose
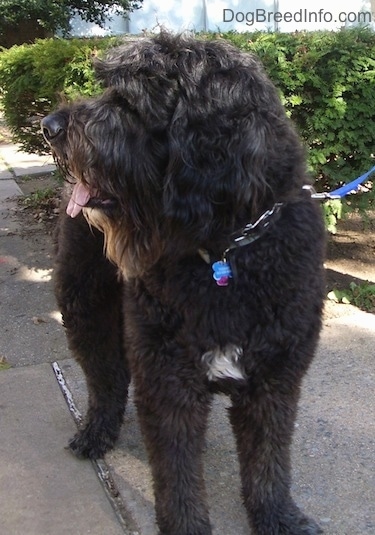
[52, 126]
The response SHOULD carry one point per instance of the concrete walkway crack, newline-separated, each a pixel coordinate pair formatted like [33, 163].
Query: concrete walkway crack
[101, 468]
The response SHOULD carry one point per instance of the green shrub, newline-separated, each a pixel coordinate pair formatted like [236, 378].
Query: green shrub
[327, 83]
[35, 78]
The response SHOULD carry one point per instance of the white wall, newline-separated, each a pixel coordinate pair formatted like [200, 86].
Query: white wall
[239, 15]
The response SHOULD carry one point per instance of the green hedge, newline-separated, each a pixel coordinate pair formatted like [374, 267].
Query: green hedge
[326, 81]
[35, 78]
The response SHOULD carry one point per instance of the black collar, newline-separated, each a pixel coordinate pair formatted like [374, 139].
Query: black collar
[222, 270]
[249, 233]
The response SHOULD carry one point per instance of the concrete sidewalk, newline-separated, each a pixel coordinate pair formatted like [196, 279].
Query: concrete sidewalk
[46, 491]
[15, 163]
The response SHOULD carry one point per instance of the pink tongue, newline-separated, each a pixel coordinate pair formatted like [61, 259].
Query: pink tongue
[80, 197]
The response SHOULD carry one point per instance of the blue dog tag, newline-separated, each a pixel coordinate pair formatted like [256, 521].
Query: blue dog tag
[222, 272]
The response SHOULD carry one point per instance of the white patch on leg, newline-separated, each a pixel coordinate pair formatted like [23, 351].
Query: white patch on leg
[224, 364]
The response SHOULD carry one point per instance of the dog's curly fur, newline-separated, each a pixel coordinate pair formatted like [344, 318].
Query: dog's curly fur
[187, 144]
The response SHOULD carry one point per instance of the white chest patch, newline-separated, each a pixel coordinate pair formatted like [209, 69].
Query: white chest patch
[224, 363]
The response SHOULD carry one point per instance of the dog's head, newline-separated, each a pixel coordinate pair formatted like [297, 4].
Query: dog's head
[188, 142]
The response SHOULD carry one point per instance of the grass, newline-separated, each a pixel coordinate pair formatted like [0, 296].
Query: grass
[39, 198]
[4, 365]
[43, 204]
[360, 295]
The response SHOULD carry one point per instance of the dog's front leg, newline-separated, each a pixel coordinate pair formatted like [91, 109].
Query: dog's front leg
[173, 421]
[263, 422]
[89, 295]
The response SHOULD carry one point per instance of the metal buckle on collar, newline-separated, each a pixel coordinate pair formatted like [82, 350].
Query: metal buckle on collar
[253, 231]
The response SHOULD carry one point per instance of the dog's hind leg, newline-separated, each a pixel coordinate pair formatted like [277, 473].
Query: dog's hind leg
[89, 295]
[263, 422]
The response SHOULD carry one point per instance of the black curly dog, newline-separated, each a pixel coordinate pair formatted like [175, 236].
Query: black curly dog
[187, 160]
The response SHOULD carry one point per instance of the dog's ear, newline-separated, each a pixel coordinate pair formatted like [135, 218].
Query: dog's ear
[138, 72]
[230, 142]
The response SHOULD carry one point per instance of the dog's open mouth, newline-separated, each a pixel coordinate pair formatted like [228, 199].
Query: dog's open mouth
[82, 197]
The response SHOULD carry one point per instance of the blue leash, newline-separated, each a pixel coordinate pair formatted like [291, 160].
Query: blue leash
[343, 190]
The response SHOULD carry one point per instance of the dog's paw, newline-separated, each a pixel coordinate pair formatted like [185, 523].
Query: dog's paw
[91, 443]
[289, 523]
[299, 524]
